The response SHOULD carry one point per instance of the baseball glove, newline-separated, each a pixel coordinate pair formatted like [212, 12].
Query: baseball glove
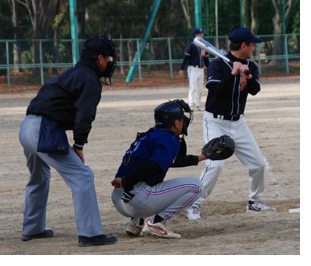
[219, 148]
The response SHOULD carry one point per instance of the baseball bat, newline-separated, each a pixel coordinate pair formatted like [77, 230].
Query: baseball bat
[214, 51]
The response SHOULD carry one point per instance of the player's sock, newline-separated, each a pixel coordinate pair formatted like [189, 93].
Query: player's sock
[157, 219]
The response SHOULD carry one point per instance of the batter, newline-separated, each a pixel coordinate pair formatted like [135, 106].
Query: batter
[228, 89]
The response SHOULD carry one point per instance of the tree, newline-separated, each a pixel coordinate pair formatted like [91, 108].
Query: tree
[16, 52]
[278, 27]
[250, 14]
[37, 12]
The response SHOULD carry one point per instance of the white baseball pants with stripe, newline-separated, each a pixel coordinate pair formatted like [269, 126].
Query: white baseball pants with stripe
[246, 149]
[196, 83]
[165, 199]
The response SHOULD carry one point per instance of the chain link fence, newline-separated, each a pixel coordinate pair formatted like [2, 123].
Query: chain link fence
[29, 63]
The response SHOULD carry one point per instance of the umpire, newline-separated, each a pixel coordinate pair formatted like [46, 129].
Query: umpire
[196, 58]
[66, 102]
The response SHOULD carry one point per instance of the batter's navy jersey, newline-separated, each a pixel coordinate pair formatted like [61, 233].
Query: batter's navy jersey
[195, 56]
[230, 98]
[158, 145]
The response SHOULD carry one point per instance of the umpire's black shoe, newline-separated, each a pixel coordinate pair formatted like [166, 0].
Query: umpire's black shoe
[44, 234]
[96, 240]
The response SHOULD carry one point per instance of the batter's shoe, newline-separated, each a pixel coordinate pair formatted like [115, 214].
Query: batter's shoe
[193, 213]
[256, 206]
[160, 230]
[135, 227]
[44, 234]
[96, 240]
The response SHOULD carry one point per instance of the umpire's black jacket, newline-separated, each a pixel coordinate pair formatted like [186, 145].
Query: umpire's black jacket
[71, 99]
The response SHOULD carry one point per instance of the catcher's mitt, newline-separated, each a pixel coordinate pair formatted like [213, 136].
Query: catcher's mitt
[219, 148]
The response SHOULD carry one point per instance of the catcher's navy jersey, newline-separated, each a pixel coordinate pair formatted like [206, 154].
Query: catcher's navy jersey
[232, 99]
[158, 145]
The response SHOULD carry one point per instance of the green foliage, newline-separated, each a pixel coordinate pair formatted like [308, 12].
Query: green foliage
[129, 17]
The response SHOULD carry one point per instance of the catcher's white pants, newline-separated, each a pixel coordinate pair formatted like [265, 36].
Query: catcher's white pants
[196, 83]
[165, 199]
[77, 176]
[246, 149]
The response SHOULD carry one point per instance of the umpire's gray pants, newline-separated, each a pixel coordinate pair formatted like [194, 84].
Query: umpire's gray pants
[165, 199]
[77, 176]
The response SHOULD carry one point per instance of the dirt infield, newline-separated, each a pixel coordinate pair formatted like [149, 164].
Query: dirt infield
[225, 228]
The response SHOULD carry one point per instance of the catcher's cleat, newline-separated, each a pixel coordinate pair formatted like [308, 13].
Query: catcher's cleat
[44, 234]
[135, 227]
[255, 206]
[96, 240]
[160, 230]
[193, 213]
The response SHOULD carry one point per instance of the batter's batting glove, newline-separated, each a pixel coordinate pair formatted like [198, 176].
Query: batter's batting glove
[219, 148]
[127, 196]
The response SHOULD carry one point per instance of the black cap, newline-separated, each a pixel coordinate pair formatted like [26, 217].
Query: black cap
[100, 44]
[240, 35]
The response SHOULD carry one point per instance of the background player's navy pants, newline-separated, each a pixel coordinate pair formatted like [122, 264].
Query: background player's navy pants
[77, 176]
[165, 199]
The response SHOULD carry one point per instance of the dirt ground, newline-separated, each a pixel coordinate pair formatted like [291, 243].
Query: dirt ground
[225, 228]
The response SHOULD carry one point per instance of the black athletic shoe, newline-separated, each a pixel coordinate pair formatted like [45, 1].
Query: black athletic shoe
[96, 240]
[44, 234]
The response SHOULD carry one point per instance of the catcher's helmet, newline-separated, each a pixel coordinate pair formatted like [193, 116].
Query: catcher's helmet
[101, 45]
[166, 114]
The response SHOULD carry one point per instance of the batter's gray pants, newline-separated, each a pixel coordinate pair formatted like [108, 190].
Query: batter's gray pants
[246, 149]
[165, 199]
[77, 176]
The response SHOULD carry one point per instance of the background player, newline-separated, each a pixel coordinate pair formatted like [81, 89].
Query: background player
[196, 58]
[66, 102]
[228, 88]
[139, 187]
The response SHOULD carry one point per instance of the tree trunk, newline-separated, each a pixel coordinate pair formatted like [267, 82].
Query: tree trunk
[130, 52]
[59, 19]
[37, 12]
[277, 31]
[16, 50]
[254, 16]
[278, 46]
[246, 13]
[185, 8]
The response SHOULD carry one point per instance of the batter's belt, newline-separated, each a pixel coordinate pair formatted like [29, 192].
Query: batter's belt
[228, 117]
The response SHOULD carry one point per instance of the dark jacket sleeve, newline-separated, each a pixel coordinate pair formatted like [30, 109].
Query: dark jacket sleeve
[182, 159]
[253, 86]
[85, 105]
[187, 160]
[144, 171]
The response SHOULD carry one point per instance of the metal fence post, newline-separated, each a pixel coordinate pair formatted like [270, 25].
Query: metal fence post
[170, 57]
[259, 58]
[286, 66]
[41, 62]
[138, 59]
[7, 62]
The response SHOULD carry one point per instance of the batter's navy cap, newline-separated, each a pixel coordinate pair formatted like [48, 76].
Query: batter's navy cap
[198, 31]
[240, 35]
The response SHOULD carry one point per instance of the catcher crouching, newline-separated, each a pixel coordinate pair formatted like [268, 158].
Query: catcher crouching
[140, 190]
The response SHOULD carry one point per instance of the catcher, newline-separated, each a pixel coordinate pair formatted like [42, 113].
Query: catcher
[140, 190]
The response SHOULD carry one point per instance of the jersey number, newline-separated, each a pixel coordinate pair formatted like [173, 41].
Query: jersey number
[243, 82]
